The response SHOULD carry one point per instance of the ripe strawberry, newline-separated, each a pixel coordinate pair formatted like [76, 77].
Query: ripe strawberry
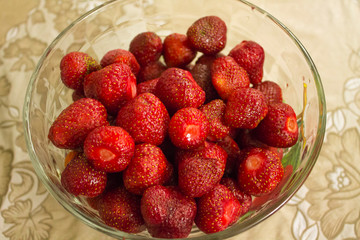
[250, 55]
[147, 168]
[73, 124]
[145, 118]
[120, 56]
[279, 128]
[150, 71]
[259, 172]
[244, 199]
[198, 175]
[228, 76]
[201, 73]
[120, 209]
[210, 150]
[167, 212]
[245, 108]
[112, 85]
[146, 47]
[177, 89]
[74, 66]
[208, 35]
[177, 50]
[81, 178]
[147, 86]
[233, 151]
[214, 111]
[271, 90]
[109, 148]
[246, 138]
[188, 128]
[217, 210]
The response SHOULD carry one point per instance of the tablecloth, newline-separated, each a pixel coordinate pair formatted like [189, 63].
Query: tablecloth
[326, 207]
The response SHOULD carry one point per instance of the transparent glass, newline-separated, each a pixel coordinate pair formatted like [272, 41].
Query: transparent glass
[113, 25]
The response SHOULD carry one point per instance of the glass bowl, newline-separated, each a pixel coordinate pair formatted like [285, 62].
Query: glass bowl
[113, 25]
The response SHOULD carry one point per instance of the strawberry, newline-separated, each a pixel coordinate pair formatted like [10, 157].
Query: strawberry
[73, 124]
[250, 55]
[112, 85]
[271, 90]
[198, 175]
[109, 148]
[167, 212]
[233, 151]
[120, 209]
[279, 128]
[74, 66]
[244, 199]
[146, 47]
[217, 210]
[208, 35]
[177, 50]
[147, 168]
[201, 73]
[245, 108]
[188, 128]
[81, 178]
[147, 86]
[177, 89]
[120, 56]
[227, 76]
[214, 111]
[210, 150]
[145, 118]
[259, 172]
[150, 71]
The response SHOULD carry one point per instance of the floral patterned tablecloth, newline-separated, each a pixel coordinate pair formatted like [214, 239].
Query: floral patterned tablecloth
[326, 207]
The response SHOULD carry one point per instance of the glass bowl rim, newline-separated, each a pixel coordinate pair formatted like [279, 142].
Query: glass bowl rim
[228, 232]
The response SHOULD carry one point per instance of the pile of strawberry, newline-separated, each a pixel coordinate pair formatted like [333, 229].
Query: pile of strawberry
[162, 140]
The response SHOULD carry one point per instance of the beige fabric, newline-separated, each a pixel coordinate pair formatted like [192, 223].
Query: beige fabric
[326, 207]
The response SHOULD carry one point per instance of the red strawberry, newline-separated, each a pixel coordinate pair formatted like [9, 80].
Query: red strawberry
[177, 89]
[177, 50]
[228, 76]
[233, 151]
[112, 85]
[146, 47]
[147, 168]
[150, 71]
[260, 171]
[201, 73]
[74, 66]
[109, 148]
[208, 35]
[217, 210]
[81, 178]
[244, 199]
[214, 111]
[167, 212]
[210, 150]
[250, 55]
[121, 56]
[188, 128]
[198, 175]
[77, 94]
[145, 118]
[120, 209]
[245, 108]
[147, 86]
[71, 127]
[246, 138]
[279, 128]
[271, 90]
